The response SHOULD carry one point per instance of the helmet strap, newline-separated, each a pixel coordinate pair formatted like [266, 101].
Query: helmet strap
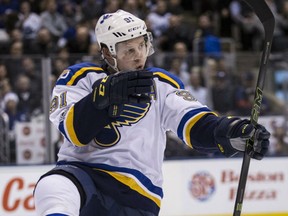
[114, 66]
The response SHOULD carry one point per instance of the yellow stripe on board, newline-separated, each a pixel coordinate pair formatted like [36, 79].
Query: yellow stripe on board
[80, 72]
[133, 185]
[242, 214]
[164, 76]
[70, 127]
[267, 214]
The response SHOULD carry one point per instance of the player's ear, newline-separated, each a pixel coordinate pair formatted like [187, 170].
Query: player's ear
[106, 53]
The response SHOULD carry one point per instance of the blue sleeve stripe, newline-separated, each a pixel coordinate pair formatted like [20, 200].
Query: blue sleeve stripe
[69, 131]
[71, 78]
[167, 77]
[62, 130]
[188, 121]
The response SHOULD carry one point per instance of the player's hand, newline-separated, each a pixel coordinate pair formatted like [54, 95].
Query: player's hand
[232, 134]
[117, 89]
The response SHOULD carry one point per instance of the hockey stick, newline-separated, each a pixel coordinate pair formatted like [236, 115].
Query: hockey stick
[266, 17]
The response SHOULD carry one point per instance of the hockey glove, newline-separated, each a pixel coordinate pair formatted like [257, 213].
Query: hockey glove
[115, 90]
[232, 134]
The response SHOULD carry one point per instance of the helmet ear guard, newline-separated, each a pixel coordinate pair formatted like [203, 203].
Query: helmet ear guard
[120, 26]
[149, 39]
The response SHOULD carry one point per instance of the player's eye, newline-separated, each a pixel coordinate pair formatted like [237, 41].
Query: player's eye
[131, 51]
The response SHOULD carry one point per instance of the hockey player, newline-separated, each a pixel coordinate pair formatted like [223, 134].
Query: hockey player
[114, 117]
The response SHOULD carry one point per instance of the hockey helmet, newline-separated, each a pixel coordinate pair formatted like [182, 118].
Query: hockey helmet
[120, 26]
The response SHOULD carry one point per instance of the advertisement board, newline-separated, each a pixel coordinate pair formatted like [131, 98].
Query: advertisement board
[16, 189]
[209, 187]
[191, 188]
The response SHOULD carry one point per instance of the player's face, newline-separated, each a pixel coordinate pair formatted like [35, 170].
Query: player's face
[131, 54]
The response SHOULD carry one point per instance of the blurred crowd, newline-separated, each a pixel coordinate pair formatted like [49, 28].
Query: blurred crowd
[64, 31]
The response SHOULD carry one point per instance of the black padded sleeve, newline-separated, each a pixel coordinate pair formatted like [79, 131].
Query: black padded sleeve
[202, 134]
[88, 120]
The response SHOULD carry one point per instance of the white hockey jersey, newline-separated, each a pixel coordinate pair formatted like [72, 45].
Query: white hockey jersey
[130, 149]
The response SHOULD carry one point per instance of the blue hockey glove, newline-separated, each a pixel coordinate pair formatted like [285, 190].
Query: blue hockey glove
[232, 134]
[117, 89]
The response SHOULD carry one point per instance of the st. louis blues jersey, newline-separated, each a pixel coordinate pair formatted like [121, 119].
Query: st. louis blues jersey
[126, 154]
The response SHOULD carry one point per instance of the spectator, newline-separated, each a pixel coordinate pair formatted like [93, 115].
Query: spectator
[134, 7]
[13, 63]
[91, 25]
[29, 101]
[4, 81]
[159, 18]
[16, 49]
[112, 6]
[36, 6]
[222, 93]
[175, 7]
[249, 25]
[94, 50]
[15, 36]
[92, 9]
[182, 32]
[64, 56]
[10, 103]
[196, 89]
[207, 42]
[280, 36]
[280, 144]
[53, 21]
[176, 69]
[93, 54]
[81, 42]
[8, 9]
[5, 7]
[59, 65]
[204, 26]
[29, 22]
[180, 52]
[225, 22]
[43, 44]
[72, 13]
[30, 69]
[244, 96]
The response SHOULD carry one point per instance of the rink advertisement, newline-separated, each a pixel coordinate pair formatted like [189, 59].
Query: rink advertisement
[16, 189]
[191, 188]
[209, 187]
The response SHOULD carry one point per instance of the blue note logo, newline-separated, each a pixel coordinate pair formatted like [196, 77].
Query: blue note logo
[110, 134]
[105, 17]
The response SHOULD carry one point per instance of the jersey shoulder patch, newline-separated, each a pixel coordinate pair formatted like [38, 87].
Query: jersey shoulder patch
[74, 73]
[167, 77]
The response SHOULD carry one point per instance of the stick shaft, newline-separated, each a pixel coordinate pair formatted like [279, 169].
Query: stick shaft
[267, 19]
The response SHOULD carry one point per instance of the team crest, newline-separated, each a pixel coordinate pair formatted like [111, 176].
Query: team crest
[132, 114]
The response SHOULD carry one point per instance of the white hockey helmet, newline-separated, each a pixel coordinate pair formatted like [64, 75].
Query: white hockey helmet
[113, 28]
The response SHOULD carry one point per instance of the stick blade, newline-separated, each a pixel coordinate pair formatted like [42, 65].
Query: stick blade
[264, 14]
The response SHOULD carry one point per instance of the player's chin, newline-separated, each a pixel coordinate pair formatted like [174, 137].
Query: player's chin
[132, 68]
[140, 67]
